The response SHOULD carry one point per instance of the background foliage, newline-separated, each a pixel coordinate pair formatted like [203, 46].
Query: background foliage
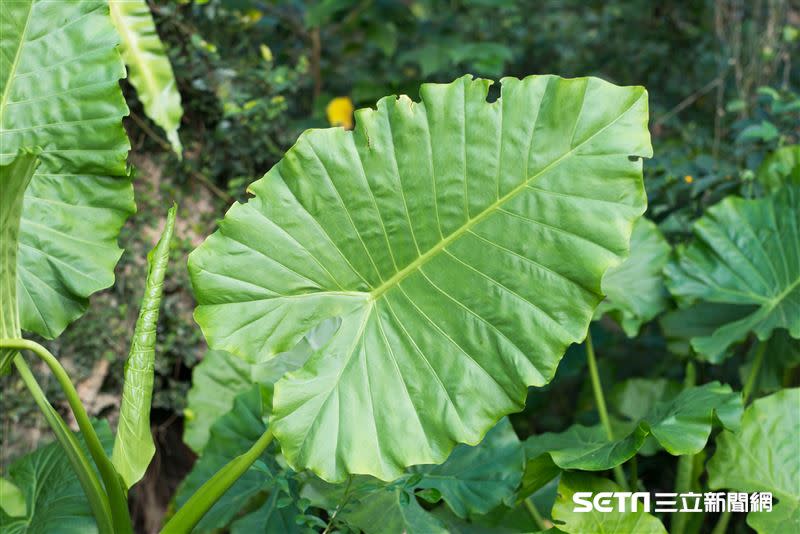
[253, 74]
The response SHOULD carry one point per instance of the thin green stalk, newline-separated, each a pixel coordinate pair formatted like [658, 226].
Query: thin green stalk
[209, 493]
[683, 480]
[600, 401]
[758, 360]
[722, 523]
[633, 478]
[534, 513]
[80, 464]
[116, 493]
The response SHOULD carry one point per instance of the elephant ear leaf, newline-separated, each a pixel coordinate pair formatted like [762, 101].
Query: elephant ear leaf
[615, 522]
[762, 457]
[634, 289]
[133, 447]
[747, 254]
[462, 244]
[149, 69]
[14, 179]
[59, 81]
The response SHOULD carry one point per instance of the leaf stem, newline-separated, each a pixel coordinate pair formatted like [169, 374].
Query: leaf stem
[600, 401]
[683, 479]
[87, 477]
[722, 523]
[534, 513]
[758, 360]
[116, 494]
[209, 493]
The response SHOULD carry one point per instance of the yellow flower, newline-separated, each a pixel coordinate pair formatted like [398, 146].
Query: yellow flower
[688, 179]
[340, 112]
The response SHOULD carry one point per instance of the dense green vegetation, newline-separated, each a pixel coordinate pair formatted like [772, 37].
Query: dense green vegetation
[453, 313]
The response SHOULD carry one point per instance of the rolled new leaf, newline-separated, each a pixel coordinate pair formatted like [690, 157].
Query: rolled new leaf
[133, 446]
[14, 179]
[150, 71]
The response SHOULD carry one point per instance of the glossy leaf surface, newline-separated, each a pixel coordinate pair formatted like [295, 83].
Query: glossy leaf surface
[149, 69]
[613, 522]
[462, 244]
[763, 457]
[634, 289]
[59, 81]
[133, 446]
[747, 253]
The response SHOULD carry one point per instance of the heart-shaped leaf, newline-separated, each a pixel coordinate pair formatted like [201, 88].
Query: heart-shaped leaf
[747, 253]
[60, 92]
[462, 244]
[763, 457]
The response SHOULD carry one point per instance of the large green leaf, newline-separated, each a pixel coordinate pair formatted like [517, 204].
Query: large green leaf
[55, 499]
[634, 289]
[14, 179]
[763, 457]
[474, 480]
[462, 244]
[615, 522]
[149, 68]
[133, 446]
[59, 80]
[747, 253]
[681, 425]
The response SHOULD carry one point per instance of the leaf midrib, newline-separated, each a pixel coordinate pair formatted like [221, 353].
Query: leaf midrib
[133, 45]
[13, 70]
[467, 226]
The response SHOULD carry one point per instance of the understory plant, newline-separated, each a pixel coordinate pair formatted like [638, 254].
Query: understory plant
[385, 302]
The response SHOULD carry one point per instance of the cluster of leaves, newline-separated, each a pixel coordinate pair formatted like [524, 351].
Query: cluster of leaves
[390, 294]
